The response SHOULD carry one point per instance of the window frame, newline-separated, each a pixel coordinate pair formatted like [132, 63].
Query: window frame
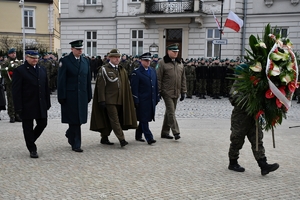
[28, 21]
[214, 48]
[90, 2]
[92, 50]
[138, 40]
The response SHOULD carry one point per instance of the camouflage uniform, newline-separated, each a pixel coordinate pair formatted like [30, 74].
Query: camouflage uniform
[243, 125]
[125, 63]
[53, 77]
[216, 77]
[153, 64]
[45, 62]
[136, 64]
[8, 85]
[190, 75]
[228, 82]
[202, 75]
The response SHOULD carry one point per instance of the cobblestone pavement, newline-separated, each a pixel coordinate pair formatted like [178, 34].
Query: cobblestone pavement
[194, 167]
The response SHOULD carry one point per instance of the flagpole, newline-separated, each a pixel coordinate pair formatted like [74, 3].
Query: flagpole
[220, 46]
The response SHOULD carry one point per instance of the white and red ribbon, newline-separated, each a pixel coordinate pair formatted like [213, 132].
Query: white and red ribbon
[273, 87]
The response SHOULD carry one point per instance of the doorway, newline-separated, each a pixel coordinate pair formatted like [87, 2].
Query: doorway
[174, 36]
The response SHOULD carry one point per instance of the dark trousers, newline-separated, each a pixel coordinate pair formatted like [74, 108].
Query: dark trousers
[74, 135]
[32, 134]
[143, 128]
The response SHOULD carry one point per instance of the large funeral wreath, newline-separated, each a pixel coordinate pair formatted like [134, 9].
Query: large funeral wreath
[269, 79]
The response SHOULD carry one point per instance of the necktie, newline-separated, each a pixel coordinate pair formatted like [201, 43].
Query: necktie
[78, 59]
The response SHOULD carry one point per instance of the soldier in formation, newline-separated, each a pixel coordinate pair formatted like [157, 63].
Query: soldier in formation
[7, 68]
[190, 75]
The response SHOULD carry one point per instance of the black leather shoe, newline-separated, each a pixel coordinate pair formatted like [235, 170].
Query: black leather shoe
[34, 154]
[79, 150]
[123, 143]
[151, 141]
[177, 136]
[12, 120]
[106, 141]
[140, 139]
[167, 136]
[236, 167]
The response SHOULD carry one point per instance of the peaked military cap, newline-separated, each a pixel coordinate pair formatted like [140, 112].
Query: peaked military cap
[114, 53]
[173, 47]
[32, 54]
[12, 50]
[77, 44]
[146, 56]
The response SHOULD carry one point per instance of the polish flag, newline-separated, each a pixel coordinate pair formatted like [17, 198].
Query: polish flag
[234, 22]
[218, 23]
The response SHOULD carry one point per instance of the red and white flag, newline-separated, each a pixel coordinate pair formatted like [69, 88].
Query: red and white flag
[218, 23]
[233, 22]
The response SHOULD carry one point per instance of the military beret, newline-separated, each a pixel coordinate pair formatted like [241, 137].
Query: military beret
[114, 53]
[32, 54]
[77, 44]
[155, 56]
[12, 50]
[173, 47]
[146, 56]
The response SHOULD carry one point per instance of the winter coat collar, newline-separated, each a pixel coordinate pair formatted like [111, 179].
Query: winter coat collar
[167, 59]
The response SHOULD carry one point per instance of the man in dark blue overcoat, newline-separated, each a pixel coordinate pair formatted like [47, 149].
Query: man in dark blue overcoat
[145, 95]
[31, 99]
[74, 92]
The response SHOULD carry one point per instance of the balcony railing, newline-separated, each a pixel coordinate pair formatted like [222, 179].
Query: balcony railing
[183, 6]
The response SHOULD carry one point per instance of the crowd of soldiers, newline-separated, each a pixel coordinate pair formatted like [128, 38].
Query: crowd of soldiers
[204, 76]
[50, 62]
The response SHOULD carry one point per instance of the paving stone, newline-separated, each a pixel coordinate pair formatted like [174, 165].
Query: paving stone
[194, 167]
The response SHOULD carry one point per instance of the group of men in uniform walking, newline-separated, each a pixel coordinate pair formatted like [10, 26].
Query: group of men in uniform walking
[124, 96]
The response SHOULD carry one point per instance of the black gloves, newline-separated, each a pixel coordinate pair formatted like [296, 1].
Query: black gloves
[102, 105]
[61, 101]
[182, 97]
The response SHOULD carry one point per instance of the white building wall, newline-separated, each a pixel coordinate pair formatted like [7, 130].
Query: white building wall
[118, 17]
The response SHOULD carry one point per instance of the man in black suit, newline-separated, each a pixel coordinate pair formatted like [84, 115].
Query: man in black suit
[31, 99]
[74, 92]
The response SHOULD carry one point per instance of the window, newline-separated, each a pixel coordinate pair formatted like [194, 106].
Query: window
[89, 2]
[134, 0]
[29, 18]
[282, 31]
[212, 49]
[137, 42]
[91, 43]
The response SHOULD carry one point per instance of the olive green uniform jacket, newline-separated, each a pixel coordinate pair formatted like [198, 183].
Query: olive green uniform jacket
[103, 90]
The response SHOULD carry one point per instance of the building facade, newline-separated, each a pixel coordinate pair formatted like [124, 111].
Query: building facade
[135, 26]
[40, 17]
